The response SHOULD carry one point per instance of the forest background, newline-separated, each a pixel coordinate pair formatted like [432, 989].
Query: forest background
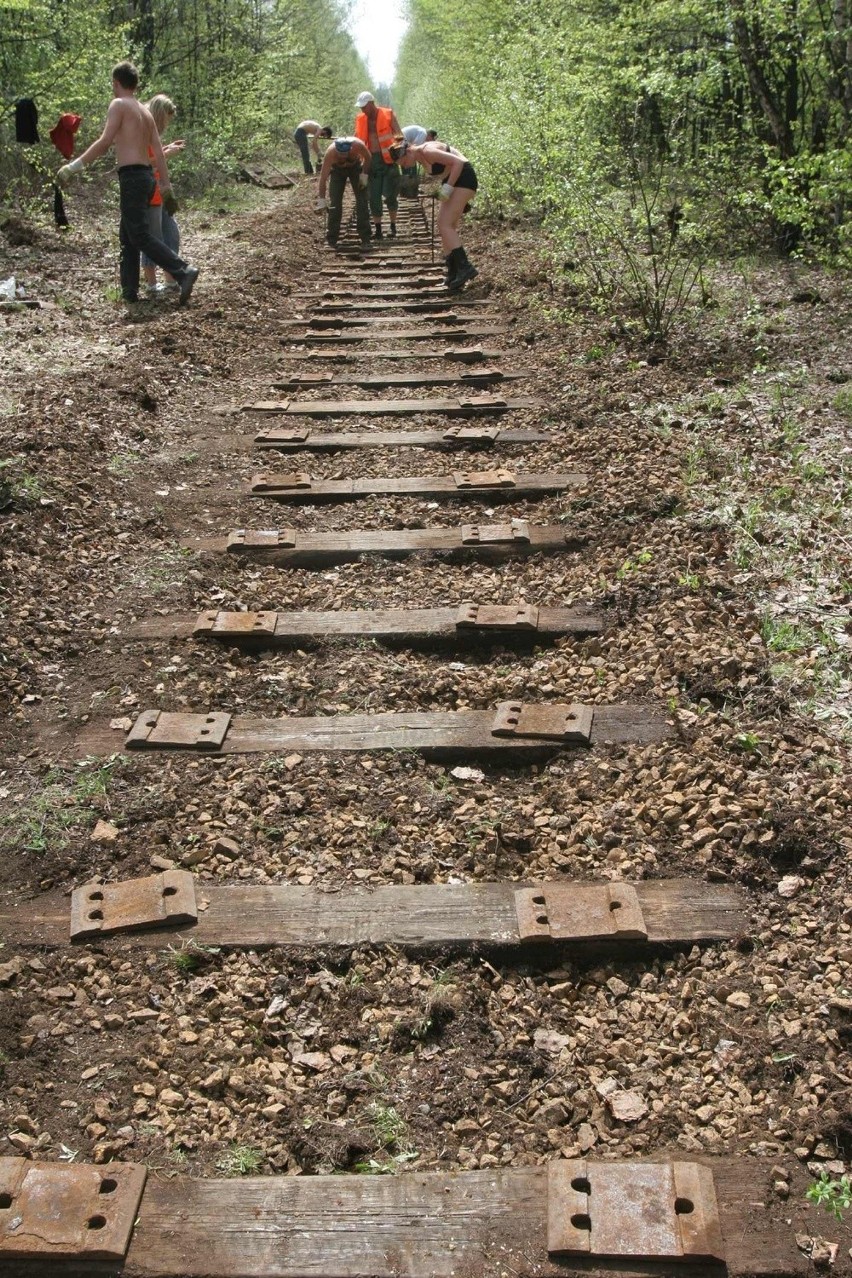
[646, 138]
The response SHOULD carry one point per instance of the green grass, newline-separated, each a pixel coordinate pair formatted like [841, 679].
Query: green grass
[240, 1160]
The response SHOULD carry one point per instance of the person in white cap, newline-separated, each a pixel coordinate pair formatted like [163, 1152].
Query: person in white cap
[377, 127]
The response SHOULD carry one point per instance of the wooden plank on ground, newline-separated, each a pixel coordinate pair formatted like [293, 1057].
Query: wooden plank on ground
[470, 356]
[287, 440]
[291, 548]
[477, 1224]
[674, 911]
[356, 306]
[300, 488]
[449, 734]
[467, 405]
[448, 332]
[466, 377]
[445, 625]
[379, 324]
[418, 287]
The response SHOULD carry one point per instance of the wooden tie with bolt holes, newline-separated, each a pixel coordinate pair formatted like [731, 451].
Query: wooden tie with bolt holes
[469, 406]
[460, 625]
[289, 548]
[288, 439]
[554, 918]
[713, 1217]
[511, 730]
[299, 486]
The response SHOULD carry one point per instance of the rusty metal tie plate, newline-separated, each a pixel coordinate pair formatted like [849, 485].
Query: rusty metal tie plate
[570, 724]
[496, 534]
[65, 1212]
[493, 374]
[235, 625]
[283, 436]
[468, 354]
[163, 730]
[264, 483]
[471, 434]
[484, 479]
[580, 911]
[243, 539]
[644, 1211]
[483, 401]
[267, 406]
[474, 616]
[158, 900]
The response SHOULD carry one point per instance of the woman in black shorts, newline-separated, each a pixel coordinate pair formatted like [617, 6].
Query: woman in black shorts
[457, 189]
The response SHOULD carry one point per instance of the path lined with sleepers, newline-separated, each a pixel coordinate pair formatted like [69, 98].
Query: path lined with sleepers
[564, 1216]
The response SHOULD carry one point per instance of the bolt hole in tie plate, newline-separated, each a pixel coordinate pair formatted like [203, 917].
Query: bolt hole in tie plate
[644, 1211]
[164, 730]
[587, 911]
[66, 1212]
[235, 625]
[568, 724]
[514, 533]
[159, 900]
[473, 616]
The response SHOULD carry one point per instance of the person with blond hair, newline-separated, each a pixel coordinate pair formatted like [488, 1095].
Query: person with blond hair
[130, 130]
[160, 220]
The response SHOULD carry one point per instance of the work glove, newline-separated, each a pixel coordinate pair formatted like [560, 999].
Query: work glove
[445, 191]
[170, 203]
[364, 181]
[69, 171]
[322, 203]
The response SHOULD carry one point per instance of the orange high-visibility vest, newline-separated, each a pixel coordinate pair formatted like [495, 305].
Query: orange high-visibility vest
[384, 131]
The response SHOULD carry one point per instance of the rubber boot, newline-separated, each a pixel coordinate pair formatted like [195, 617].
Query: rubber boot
[451, 269]
[377, 231]
[464, 271]
[393, 230]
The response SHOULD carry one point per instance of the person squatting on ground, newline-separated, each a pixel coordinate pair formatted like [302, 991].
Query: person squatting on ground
[457, 189]
[310, 129]
[160, 220]
[377, 127]
[346, 160]
[130, 128]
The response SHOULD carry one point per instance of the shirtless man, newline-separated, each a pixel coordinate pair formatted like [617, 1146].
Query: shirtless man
[346, 160]
[310, 129]
[130, 128]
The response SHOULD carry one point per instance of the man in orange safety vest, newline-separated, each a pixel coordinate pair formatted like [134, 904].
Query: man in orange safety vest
[377, 127]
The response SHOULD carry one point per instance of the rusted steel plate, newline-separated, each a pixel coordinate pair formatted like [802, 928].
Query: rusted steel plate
[99, 909]
[162, 730]
[297, 479]
[591, 911]
[499, 478]
[471, 434]
[59, 1211]
[282, 538]
[474, 616]
[644, 1211]
[495, 534]
[568, 723]
[237, 625]
[484, 401]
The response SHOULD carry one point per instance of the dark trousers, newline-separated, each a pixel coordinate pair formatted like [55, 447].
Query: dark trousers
[136, 186]
[300, 137]
[337, 180]
[384, 185]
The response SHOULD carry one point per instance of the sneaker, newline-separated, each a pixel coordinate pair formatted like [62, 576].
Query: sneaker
[187, 284]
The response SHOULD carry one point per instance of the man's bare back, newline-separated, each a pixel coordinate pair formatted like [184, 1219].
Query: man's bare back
[134, 130]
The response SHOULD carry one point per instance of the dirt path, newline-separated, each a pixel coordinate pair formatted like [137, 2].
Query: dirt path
[124, 441]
